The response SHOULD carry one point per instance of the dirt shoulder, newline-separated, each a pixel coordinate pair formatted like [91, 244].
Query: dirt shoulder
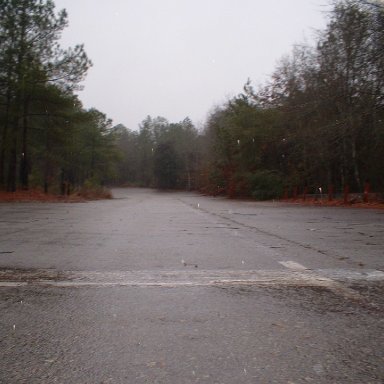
[40, 196]
[335, 203]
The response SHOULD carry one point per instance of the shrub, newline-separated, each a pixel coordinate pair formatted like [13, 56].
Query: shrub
[92, 190]
[265, 185]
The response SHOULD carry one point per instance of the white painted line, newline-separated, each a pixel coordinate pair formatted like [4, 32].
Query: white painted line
[12, 283]
[350, 275]
[320, 280]
[295, 275]
[293, 265]
[379, 275]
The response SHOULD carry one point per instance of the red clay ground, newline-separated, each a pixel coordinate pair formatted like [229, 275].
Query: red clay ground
[39, 196]
[335, 203]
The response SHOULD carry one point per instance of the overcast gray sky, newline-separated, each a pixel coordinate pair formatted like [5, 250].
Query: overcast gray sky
[178, 58]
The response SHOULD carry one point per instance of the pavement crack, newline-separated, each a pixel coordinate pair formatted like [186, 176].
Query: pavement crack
[266, 233]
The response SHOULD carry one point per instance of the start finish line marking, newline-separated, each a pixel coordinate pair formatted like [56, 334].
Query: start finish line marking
[331, 279]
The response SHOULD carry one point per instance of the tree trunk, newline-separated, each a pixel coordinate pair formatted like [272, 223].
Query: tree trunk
[355, 166]
[24, 164]
[4, 137]
[3, 149]
[12, 167]
[47, 157]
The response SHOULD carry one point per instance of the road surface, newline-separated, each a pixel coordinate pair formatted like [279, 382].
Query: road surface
[181, 288]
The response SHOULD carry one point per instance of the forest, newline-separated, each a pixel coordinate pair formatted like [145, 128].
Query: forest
[316, 125]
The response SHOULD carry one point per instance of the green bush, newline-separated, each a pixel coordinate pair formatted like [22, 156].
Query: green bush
[265, 185]
[93, 190]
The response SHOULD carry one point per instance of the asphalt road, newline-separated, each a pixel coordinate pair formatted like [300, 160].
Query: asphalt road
[180, 288]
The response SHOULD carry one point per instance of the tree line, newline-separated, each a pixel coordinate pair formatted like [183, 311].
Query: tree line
[318, 123]
[161, 154]
[46, 137]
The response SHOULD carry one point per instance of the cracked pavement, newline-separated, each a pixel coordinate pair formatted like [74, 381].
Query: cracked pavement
[181, 288]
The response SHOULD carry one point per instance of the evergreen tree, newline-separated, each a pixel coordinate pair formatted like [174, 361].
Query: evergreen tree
[30, 60]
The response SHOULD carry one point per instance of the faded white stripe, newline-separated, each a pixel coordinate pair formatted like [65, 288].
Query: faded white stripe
[293, 265]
